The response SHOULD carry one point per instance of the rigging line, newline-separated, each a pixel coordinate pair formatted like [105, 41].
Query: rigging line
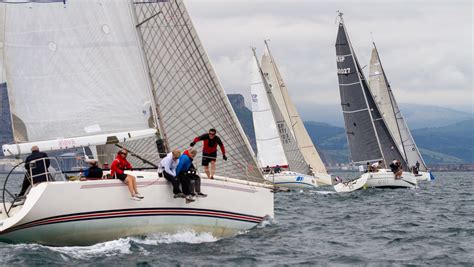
[137, 156]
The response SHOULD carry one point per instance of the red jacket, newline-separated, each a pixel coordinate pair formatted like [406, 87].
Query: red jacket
[210, 145]
[119, 165]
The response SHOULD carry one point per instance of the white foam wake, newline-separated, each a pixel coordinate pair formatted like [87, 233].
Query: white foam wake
[123, 245]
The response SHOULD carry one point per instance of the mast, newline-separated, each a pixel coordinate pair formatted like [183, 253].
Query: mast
[154, 107]
[391, 102]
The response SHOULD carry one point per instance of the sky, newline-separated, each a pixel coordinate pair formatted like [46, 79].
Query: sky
[426, 47]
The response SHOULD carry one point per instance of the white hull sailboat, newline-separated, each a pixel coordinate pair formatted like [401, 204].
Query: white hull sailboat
[396, 123]
[293, 120]
[382, 179]
[368, 135]
[87, 212]
[276, 146]
[109, 74]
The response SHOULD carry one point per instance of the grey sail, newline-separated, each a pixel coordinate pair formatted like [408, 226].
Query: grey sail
[295, 159]
[383, 95]
[368, 136]
[189, 96]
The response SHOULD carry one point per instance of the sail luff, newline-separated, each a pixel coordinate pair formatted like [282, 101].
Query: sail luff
[305, 144]
[382, 91]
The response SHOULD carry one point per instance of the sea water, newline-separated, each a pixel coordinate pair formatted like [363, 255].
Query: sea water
[432, 225]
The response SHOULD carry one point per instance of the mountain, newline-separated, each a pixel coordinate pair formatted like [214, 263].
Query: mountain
[417, 116]
[456, 140]
[245, 117]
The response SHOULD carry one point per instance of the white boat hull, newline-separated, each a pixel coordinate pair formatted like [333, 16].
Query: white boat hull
[386, 179]
[292, 180]
[380, 179]
[424, 176]
[83, 213]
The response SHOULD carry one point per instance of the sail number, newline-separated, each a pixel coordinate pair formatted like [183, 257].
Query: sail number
[340, 58]
[344, 71]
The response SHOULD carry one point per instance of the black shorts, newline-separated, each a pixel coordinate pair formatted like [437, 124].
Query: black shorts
[206, 158]
[121, 176]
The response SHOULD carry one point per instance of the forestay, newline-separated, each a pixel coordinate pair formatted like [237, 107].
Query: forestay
[290, 113]
[368, 136]
[383, 95]
[187, 91]
[269, 148]
[74, 70]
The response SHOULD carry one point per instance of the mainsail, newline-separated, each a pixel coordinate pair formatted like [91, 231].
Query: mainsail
[292, 152]
[290, 113]
[269, 147]
[368, 136]
[189, 96]
[383, 95]
[85, 75]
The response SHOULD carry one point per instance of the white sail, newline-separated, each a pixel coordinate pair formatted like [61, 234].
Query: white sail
[290, 113]
[293, 154]
[86, 76]
[269, 148]
[188, 93]
[393, 117]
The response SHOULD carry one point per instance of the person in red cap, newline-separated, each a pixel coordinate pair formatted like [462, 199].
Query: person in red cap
[209, 151]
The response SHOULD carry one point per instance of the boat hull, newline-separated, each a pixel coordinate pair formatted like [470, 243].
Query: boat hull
[386, 179]
[84, 213]
[292, 180]
[424, 176]
[380, 179]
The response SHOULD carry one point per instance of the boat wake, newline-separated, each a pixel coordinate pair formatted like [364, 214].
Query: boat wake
[122, 246]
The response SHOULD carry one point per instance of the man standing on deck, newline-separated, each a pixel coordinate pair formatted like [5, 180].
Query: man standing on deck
[36, 165]
[209, 151]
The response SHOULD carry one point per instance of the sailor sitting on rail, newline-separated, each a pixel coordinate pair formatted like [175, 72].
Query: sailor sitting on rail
[168, 165]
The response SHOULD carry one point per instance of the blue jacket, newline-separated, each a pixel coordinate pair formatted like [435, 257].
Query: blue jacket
[184, 164]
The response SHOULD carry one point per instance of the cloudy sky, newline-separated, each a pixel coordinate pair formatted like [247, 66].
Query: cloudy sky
[426, 46]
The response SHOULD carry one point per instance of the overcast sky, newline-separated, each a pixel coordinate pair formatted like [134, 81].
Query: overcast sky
[426, 47]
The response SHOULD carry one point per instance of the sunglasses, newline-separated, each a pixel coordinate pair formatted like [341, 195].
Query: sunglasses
[212, 134]
[124, 153]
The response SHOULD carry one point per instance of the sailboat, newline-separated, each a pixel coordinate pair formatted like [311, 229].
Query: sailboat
[367, 133]
[383, 95]
[276, 147]
[293, 119]
[102, 73]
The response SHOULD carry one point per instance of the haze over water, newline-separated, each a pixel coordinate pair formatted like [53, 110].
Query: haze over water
[433, 225]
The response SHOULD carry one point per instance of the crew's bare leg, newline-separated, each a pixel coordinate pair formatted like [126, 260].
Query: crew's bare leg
[129, 183]
[208, 173]
[213, 168]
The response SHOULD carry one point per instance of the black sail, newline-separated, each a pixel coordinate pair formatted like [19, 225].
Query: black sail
[367, 134]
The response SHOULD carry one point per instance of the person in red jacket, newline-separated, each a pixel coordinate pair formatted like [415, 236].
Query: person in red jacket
[119, 165]
[209, 151]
